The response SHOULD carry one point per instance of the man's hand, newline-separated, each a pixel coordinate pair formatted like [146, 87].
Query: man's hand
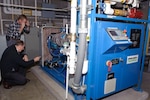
[27, 23]
[21, 27]
[36, 59]
[25, 58]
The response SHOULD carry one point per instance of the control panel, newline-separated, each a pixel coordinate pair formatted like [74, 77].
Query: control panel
[135, 38]
[117, 34]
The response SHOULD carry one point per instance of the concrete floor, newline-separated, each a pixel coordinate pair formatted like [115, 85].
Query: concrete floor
[146, 83]
[35, 90]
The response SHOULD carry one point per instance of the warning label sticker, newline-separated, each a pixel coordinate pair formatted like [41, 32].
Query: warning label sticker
[132, 59]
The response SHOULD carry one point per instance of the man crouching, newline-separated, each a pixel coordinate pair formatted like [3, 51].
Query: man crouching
[14, 64]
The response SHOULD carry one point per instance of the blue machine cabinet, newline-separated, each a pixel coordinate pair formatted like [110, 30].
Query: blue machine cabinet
[116, 53]
[125, 58]
[127, 63]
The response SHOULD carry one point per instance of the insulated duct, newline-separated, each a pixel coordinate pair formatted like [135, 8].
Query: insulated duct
[81, 50]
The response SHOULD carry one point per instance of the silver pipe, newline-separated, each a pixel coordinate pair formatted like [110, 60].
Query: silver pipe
[30, 7]
[2, 29]
[80, 59]
[35, 17]
[82, 48]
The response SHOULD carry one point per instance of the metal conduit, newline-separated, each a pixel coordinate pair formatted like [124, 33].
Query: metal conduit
[29, 7]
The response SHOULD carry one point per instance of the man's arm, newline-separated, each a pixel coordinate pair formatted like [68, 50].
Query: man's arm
[24, 63]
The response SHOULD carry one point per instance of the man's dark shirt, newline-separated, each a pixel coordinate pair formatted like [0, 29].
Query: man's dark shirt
[11, 61]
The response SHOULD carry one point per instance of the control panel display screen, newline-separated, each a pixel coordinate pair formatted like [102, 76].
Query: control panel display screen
[117, 34]
[113, 33]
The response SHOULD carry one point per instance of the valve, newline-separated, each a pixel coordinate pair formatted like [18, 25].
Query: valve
[109, 65]
[134, 13]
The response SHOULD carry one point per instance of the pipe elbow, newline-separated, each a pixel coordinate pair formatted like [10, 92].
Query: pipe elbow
[79, 89]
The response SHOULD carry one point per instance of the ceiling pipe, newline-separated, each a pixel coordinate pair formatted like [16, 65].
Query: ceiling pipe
[30, 7]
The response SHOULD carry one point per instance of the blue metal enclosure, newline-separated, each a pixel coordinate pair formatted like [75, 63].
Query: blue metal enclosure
[115, 53]
[124, 55]
[127, 64]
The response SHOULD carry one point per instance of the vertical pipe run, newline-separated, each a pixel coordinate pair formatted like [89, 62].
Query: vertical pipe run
[67, 29]
[1, 22]
[42, 40]
[73, 33]
[12, 10]
[67, 79]
[73, 16]
[82, 42]
[67, 73]
[35, 1]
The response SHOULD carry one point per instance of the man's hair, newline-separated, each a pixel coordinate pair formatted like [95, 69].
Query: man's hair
[19, 42]
[22, 17]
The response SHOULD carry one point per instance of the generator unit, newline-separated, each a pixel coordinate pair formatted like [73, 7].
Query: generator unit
[104, 51]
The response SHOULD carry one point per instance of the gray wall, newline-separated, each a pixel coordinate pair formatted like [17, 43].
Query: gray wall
[41, 19]
[2, 44]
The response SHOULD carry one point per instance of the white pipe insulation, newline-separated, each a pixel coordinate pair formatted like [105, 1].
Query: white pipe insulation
[136, 3]
[108, 10]
[71, 57]
[122, 1]
[72, 54]
[125, 1]
[10, 10]
[129, 1]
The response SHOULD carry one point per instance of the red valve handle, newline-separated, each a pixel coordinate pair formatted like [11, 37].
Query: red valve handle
[109, 64]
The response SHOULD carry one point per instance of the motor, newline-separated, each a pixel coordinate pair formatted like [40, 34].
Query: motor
[55, 43]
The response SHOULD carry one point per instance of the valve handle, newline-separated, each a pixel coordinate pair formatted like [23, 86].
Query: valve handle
[109, 65]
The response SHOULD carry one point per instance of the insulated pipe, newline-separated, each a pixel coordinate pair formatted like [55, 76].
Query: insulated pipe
[82, 48]
[129, 1]
[122, 1]
[135, 3]
[108, 9]
[118, 12]
[72, 54]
